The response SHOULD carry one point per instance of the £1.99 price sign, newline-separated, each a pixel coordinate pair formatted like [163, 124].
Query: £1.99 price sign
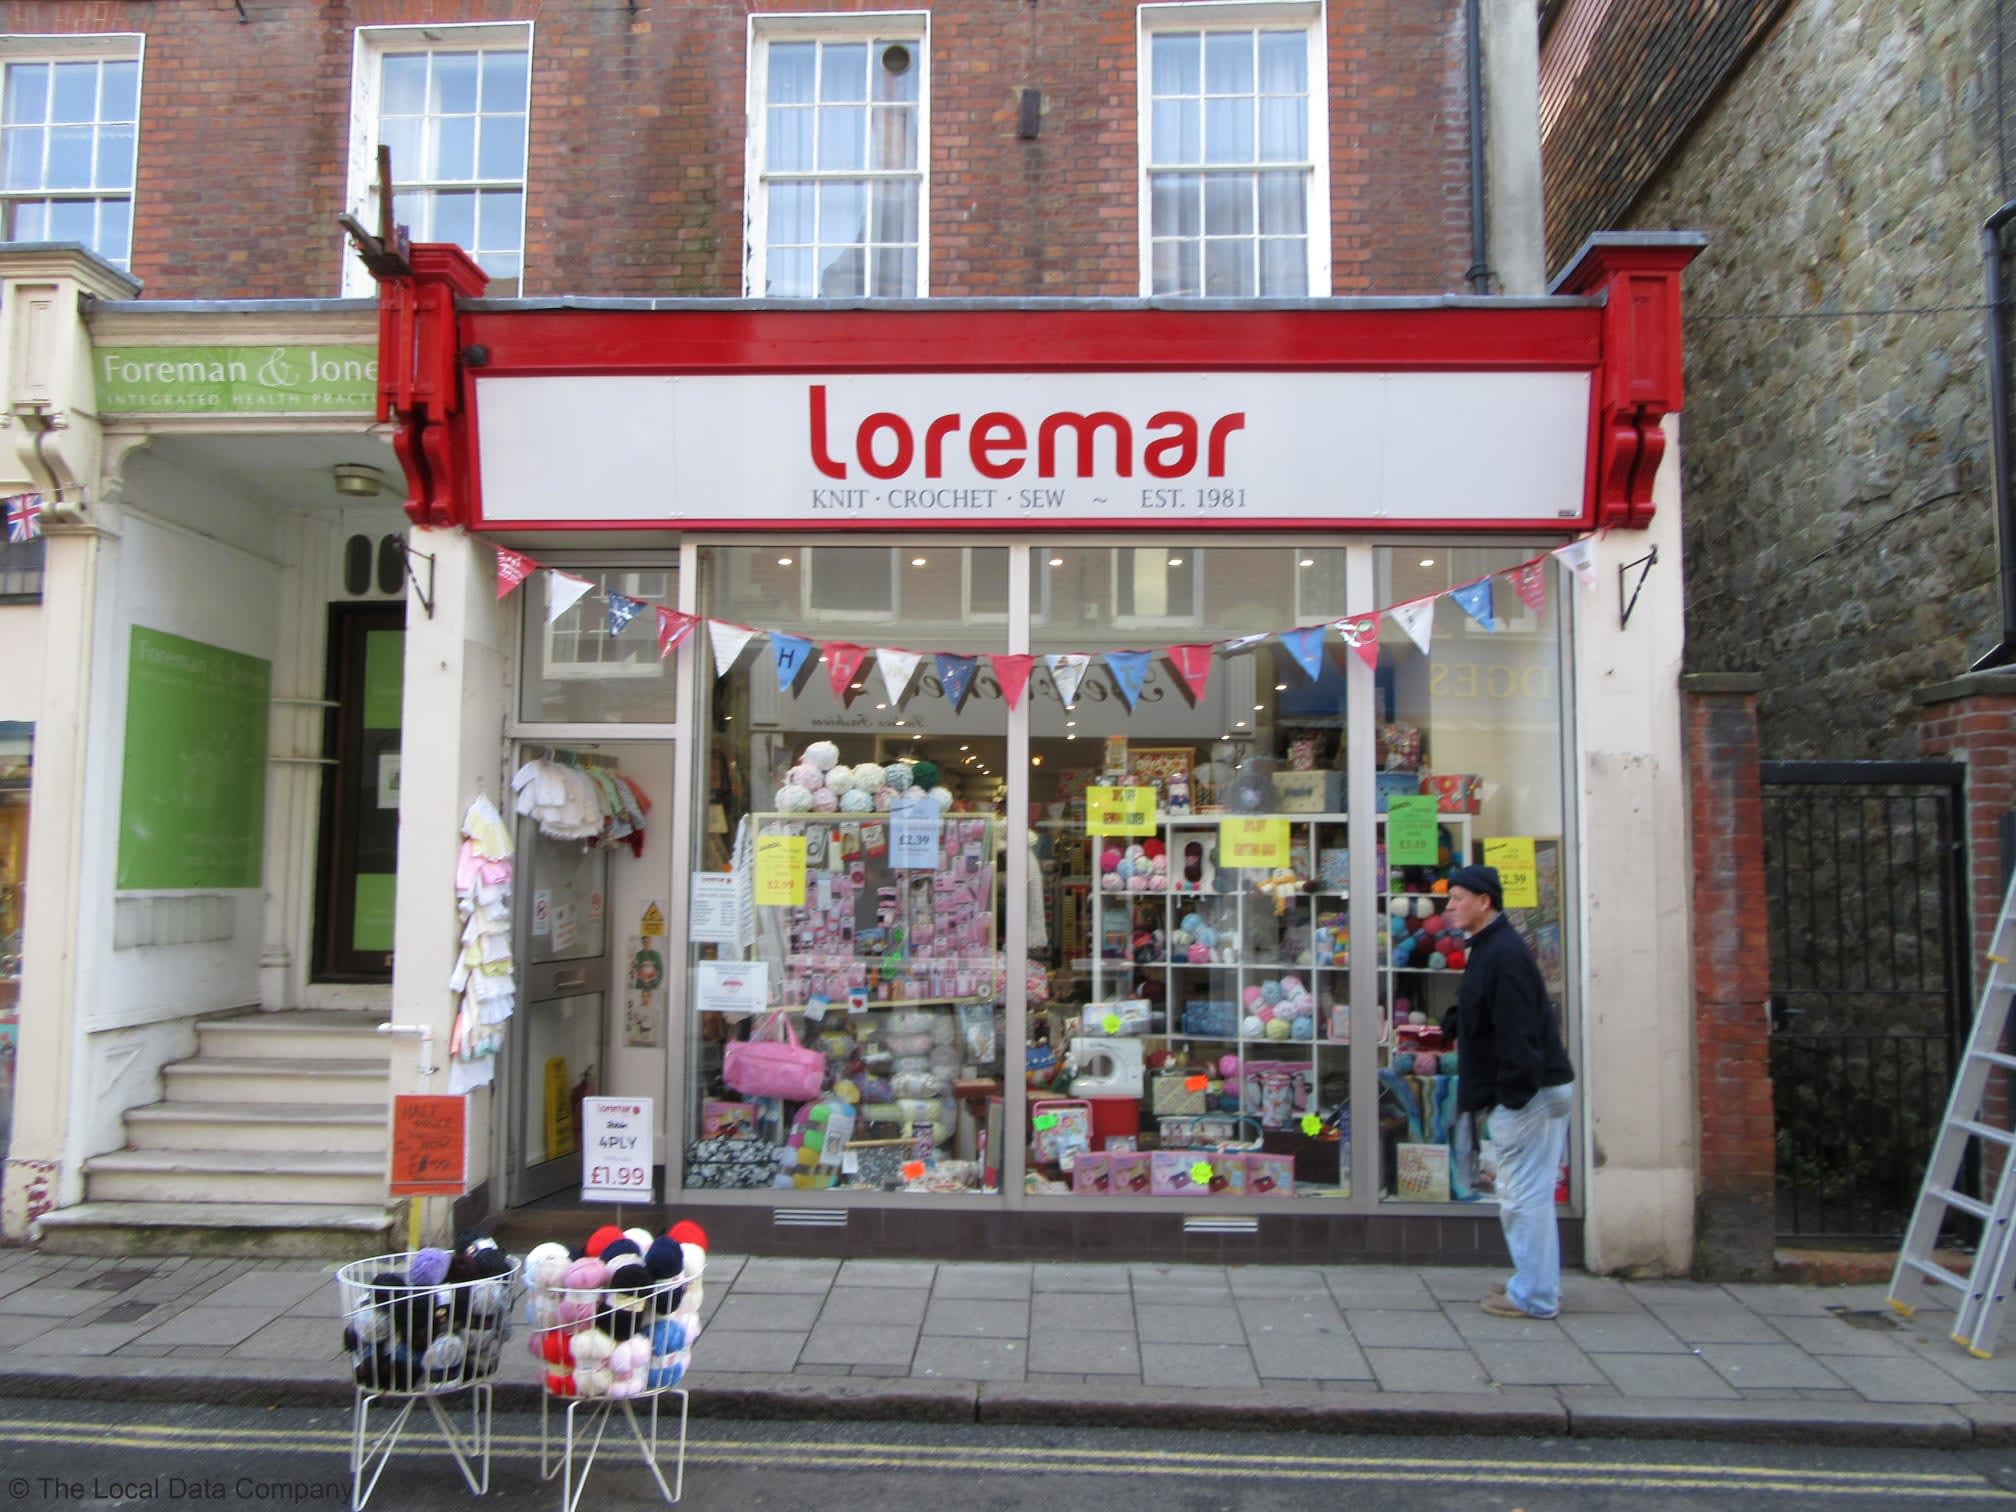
[616, 1149]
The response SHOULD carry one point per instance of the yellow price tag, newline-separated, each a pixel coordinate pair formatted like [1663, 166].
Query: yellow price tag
[1253, 843]
[1311, 1125]
[780, 870]
[1517, 872]
[1119, 811]
[1201, 1173]
[1110, 1023]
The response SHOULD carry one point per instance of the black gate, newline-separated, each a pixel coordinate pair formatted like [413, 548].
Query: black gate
[1864, 882]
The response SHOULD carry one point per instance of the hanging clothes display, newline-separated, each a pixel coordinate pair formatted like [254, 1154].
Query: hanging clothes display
[482, 980]
[592, 803]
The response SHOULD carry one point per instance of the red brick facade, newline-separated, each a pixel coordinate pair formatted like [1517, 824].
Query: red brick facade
[636, 168]
[1737, 1218]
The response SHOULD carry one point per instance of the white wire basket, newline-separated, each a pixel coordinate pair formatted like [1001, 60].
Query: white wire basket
[420, 1342]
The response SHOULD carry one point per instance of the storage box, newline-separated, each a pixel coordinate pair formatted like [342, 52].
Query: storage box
[1455, 792]
[1421, 1173]
[1169, 1174]
[1228, 1174]
[1211, 1017]
[1130, 1172]
[1092, 1175]
[1309, 792]
[1173, 1094]
[1404, 784]
[1270, 1175]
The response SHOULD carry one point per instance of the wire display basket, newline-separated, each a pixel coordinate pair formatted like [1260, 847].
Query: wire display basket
[420, 1326]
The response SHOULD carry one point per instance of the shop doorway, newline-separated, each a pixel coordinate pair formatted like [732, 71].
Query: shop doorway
[359, 845]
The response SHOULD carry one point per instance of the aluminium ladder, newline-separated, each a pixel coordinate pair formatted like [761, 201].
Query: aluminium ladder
[1985, 1288]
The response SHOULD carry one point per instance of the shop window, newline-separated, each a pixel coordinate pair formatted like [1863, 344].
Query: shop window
[837, 205]
[17, 743]
[576, 670]
[452, 103]
[1234, 151]
[69, 121]
[21, 569]
[850, 584]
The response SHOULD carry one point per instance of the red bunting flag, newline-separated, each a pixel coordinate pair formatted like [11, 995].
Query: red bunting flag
[673, 627]
[513, 567]
[1361, 634]
[1193, 665]
[1012, 672]
[843, 660]
[1529, 581]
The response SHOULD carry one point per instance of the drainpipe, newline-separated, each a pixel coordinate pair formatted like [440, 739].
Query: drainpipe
[2004, 653]
[1479, 275]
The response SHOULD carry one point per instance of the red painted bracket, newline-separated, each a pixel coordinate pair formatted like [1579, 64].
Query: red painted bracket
[420, 378]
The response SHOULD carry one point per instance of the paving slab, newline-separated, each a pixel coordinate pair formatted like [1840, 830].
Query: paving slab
[1432, 1370]
[1896, 1380]
[92, 1339]
[760, 1312]
[293, 1339]
[1085, 1353]
[995, 1282]
[1319, 1355]
[875, 1304]
[1199, 1325]
[277, 1290]
[850, 1344]
[209, 1327]
[969, 1318]
[1728, 1324]
[1751, 1367]
[971, 1359]
[46, 1300]
[1189, 1364]
[1622, 1333]
[1539, 1363]
[1385, 1328]
[1665, 1375]
[751, 1350]
[1827, 1334]
[793, 1277]
[1099, 1277]
[1085, 1312]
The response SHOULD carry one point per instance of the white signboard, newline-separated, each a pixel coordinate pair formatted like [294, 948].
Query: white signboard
[913, 835]
[712, 915]
[736, 988]
[963, 449]
[615, 1149]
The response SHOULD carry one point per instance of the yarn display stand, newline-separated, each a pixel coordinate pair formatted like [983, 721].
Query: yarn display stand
[575, 1479]
[411, 1343]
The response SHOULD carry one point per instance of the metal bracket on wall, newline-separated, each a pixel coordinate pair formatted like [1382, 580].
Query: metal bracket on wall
[425, 595]
[1624, 605]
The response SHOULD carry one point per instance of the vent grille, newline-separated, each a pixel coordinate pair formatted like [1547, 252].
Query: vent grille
[1247, 1226]
[809, 1218]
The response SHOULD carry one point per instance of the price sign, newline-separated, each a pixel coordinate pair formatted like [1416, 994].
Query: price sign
[1411, 838]
[429, 1145]
[616, 1149]
[1119, 811]
[780, 871]
[1517, 874]
[913, 835]
[1253, 843]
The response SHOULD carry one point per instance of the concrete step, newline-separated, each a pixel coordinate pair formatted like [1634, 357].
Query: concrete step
[267, 1230]
[266, 1128]
[293, 1035]
[233, 1079]
[325, 1178]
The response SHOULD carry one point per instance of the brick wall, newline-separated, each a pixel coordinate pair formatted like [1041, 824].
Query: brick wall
[636, 161]
[1973, 720]
[1736, 1212]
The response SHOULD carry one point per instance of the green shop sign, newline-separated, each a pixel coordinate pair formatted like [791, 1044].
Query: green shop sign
[230, 380]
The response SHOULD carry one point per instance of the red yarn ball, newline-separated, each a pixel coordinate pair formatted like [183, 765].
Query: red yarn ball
[1456, 957]
[686, 1231]
[602, 1238]
[560, 1383]
[1153, 848]
[551, 1347]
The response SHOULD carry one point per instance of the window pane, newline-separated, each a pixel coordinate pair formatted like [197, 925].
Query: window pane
[72, 221]
[1228, 205]
[791, 73]
[789, 275]
[843, 272]
[1174, 267]
[30, 221]
[505, 82]
[895, 275]
[454, 84]
[1228, 269]
[1228, 131]
[76, 93]
[1284, 63]
[402, 135]
[69, 157]
[28, 92]
[842, 207]
[415, 212]
[1172, 199]
[895, 208]
[405, 80]
[23, 157]
[1177, 131]
[1284, 131]
[843, 71]
[896, 70]
[115, 230]
[790, 213]
[895, 144]
[841, 132]
[499, 216]
[1283, 204]
[502, 153]
[115, 157]
[1173, 63]
[1284, 267]
[119, 91]
[1228, 63]
[454, 219]
[452, 144]
[790, 144]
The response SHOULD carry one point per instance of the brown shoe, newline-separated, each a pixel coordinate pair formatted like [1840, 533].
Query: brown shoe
[1501, 1306]
[1497, 1289]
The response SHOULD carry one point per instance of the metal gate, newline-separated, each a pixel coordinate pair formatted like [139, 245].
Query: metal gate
[1864, 882]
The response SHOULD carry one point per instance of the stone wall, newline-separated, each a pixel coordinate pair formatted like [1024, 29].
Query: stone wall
[1840, 529]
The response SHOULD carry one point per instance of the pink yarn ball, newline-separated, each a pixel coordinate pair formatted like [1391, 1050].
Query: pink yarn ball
[1137, 883]
[1200, 955]
[1251, 996]
[1109, 858]
[1228, 1066]
[1265, 1013]
[1425, 1064]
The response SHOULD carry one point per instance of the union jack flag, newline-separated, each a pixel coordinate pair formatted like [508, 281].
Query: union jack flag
[24, 517]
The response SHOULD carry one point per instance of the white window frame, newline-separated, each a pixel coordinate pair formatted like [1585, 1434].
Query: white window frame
[1242, 15]
[100, 47]
[370, 46]
[1179, 614]
[888, 613]
[628, 580]
[911, 26]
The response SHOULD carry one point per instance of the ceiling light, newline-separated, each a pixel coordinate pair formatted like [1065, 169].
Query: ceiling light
[1035, 761]
[1258, 707]
[726, 717]
[1427, 561]
[1175, 561]
[1056, 561]
[1070, 737]
[1238, 724]
[357, 481]
[1306, 562]
[854, 687]
[1069, 723]
[1280, 687]
[879, 706]
[917, 561]
[965, 748]
[783, 561]
[913, 737]
[902, 721]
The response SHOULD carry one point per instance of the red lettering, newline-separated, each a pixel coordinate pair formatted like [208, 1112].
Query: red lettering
[1086, 426]
[864, 445]
[1155, 456]
[1222, 427]
[934, 444]
[982, 444]
[820, 457]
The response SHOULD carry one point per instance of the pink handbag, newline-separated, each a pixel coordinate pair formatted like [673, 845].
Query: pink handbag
[784, 1068]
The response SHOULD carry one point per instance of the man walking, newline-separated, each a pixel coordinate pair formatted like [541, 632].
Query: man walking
[1510, 1060]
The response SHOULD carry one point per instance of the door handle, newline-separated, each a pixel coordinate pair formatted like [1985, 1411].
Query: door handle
[580, 981]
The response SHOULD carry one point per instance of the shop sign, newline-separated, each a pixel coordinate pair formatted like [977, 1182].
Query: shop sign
[1119, 811]
[1251, 843]
[1037, 449]
[236, 380]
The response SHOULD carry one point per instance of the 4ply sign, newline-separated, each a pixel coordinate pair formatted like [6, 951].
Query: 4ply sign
[616, 1149]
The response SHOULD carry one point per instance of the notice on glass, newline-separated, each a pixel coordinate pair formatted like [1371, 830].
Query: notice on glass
[1517, 873]
[780, 871]
[913, 835]
[1248, 843]
[1410, 831]
[616, 1149]
[734, 988]
[1119, 811]
[713, 917]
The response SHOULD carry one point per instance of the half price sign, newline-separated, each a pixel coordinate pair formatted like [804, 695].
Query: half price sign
[429, 1145]
[616, 1149]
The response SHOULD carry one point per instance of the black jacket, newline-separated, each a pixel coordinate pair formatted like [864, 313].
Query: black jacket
[1508, 1034]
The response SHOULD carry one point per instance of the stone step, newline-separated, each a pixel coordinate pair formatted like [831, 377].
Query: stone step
[262, 1127]
[321, 1178]
[294, 1035]
[268, 1230]
[221, 1079]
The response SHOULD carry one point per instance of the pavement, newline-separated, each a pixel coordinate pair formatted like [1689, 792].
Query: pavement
[1387, 1349]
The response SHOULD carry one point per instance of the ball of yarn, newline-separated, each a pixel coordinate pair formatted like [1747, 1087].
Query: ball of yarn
[1425, 1064]
[1250, 1027]
[1111, 883]
[807, 776]
[925, 774]
[1110, 859]
[429, 1267]
[1137, 883]
[1270, 992]
[1303, 1027]
[854, 801]
[1198, 954]
[942, 796]
[823, 754]
[1251, 996]
[793, 799]
[1228, 1066]
[841, 779]
[896, 776]
[1277, 1029]
[868, 777]
[825, 801]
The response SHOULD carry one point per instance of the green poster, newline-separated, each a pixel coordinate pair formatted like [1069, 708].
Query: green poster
[1410, 830]
[371, 919]
[231, 380]
[192, 798]
[384, 677]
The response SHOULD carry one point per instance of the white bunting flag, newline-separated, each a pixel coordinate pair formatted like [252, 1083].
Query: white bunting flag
[897, 667]
[563, 592]
[1580, 558]
[728, 641]
[1067, 671]
[1417, 619]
